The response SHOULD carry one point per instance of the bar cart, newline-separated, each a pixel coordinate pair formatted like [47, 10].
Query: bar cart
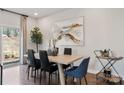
[107, 61]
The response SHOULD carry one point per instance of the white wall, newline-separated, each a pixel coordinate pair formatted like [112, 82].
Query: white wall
[103, 30]
[9, 19]
[30, 24]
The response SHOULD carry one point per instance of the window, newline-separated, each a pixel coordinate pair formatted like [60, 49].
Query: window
[10, 44]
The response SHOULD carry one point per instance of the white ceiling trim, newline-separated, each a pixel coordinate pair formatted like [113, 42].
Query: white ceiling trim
[42, 12]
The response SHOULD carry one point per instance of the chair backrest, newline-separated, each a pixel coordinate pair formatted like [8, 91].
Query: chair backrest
[67, 51]
[31, 57]
[57, 50]
[82, 68]
[44, 59]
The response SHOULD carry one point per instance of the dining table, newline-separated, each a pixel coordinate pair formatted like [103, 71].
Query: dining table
[60, 60]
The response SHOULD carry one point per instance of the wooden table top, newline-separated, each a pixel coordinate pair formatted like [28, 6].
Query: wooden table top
[65, 59]
[62, 59]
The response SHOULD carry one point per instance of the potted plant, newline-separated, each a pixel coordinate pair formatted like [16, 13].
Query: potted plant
[36, 36]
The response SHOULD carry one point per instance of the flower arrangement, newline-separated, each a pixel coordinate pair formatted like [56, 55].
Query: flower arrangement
[104, 53]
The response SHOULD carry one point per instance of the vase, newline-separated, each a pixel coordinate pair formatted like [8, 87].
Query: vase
[49, 52]
[55, 51]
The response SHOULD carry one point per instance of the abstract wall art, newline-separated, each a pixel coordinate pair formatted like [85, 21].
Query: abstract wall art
[69, 31]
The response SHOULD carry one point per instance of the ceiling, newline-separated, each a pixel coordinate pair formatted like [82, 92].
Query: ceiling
[42, 12]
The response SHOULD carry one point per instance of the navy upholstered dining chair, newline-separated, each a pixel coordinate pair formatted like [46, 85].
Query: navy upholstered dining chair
[79, 71]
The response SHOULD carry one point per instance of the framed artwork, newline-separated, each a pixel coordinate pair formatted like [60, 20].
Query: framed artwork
[69, 31]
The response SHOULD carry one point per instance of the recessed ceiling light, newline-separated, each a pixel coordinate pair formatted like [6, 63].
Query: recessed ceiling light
[35, 14]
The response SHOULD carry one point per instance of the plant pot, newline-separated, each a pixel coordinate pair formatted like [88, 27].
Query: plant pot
[49, 52]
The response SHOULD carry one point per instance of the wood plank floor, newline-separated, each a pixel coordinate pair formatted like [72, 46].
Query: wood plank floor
[91, 78]
[17, 75]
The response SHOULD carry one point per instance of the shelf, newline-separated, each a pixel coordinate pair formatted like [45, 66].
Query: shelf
[111, 58]
[113, 78]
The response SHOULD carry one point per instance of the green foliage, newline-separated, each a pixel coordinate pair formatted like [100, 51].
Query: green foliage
[36, 35]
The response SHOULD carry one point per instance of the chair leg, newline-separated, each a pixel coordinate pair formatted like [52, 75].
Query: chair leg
[66, 80]
[85, 79]
[31, 71]
[80, 81]
[73, 80]
[37, 72]
[40, 75]
[35, 76]
[49, 78]
[58, 77]
[28, 70]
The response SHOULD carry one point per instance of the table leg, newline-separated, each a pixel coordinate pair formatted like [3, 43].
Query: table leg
[61, 74]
